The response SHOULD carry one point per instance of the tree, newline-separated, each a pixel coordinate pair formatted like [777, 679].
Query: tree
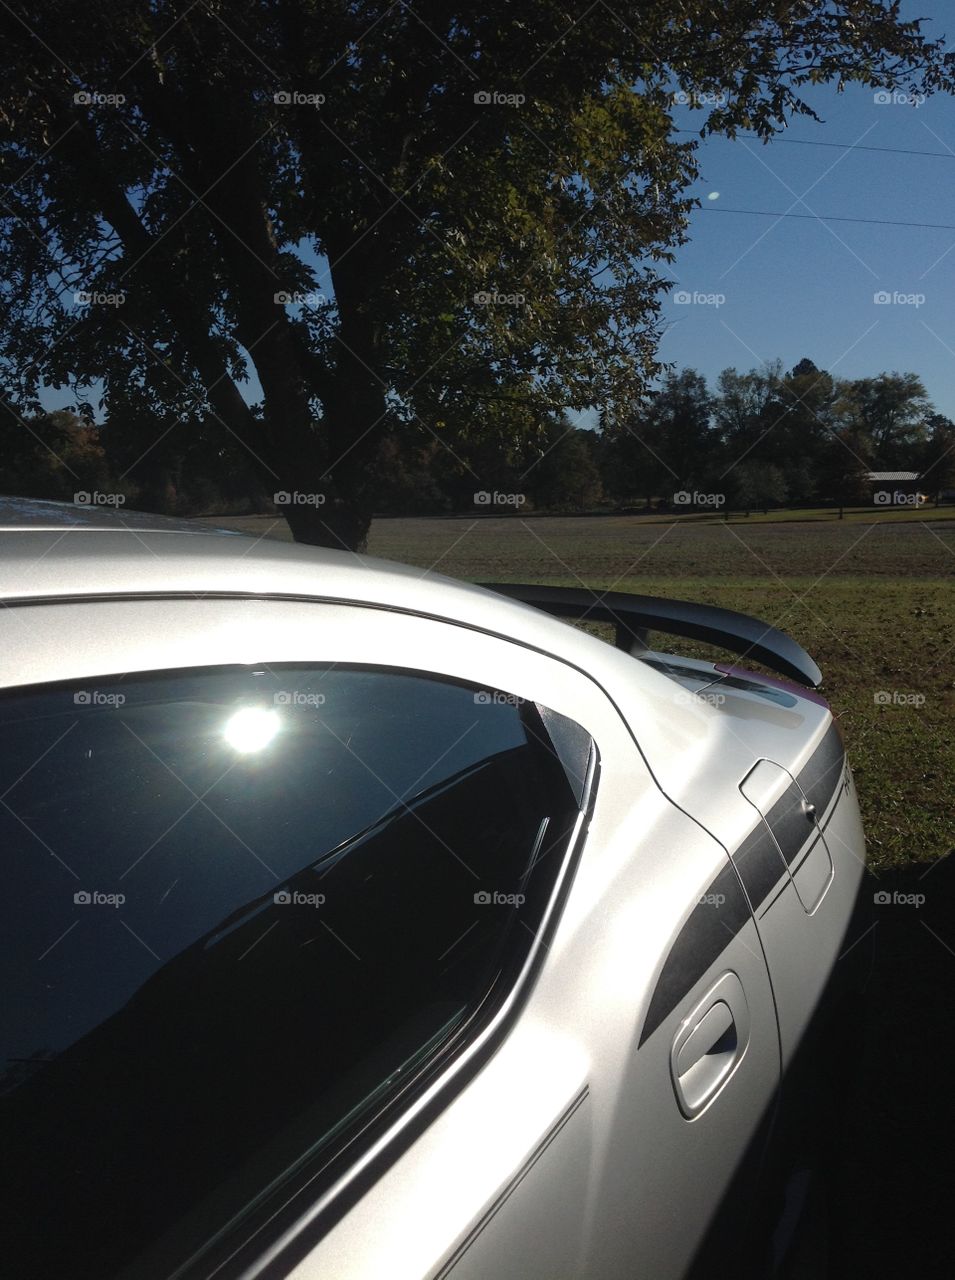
[807, 398]
[843, 463]
[665, 443]
[629, 455]
[51, 455]
[891, 410]
[757, 485]
[937, 458]
[487, 445]
[566, 477]
[407, 483]
[747, 412]
[491, 190]
[184, 465]
[680, 417]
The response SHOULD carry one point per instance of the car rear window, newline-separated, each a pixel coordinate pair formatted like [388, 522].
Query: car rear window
[244, 910]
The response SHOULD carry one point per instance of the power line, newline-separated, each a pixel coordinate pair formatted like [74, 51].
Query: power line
[811, 217]
[845, 146]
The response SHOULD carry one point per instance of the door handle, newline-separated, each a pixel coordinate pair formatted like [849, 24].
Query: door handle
[708, 1039]
[709, 1045]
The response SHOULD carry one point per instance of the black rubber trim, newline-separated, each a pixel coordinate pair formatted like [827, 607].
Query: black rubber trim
[572, 745]
[760, 864]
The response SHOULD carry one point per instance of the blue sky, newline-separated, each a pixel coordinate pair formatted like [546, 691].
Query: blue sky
[806, 286]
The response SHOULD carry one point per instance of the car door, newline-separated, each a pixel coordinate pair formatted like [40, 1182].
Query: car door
[559, 1086]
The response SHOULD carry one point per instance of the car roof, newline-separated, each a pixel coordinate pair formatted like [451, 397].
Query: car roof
[48, 552]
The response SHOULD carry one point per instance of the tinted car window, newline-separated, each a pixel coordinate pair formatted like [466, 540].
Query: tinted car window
[243, 910]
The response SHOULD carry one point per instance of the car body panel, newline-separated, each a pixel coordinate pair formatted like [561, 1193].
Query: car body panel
[571, 1080]
[586, 1128]
[640, 899]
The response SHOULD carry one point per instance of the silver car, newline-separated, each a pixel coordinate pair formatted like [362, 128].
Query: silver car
[360, 924]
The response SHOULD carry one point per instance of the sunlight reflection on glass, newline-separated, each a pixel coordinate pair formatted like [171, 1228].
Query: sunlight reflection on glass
[251, 729]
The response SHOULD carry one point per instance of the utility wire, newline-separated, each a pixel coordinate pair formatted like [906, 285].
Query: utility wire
[811, 217]
[845, 146]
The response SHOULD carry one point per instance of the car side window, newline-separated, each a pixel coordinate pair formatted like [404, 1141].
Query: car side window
[245, 909]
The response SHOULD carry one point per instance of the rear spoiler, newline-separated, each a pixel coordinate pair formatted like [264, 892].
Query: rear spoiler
[634, 616]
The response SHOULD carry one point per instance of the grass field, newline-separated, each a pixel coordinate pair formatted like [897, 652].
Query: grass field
[872, 598]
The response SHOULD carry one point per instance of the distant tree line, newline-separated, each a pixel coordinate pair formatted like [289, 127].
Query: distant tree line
[759, 439]
[767, 437]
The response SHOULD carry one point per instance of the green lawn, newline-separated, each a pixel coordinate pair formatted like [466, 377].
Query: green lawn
[872, 598]
[802, 515]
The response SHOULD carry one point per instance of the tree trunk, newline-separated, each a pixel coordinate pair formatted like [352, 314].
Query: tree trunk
[336, 456]
[334, 459]
[155, 267]
[342, 526]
